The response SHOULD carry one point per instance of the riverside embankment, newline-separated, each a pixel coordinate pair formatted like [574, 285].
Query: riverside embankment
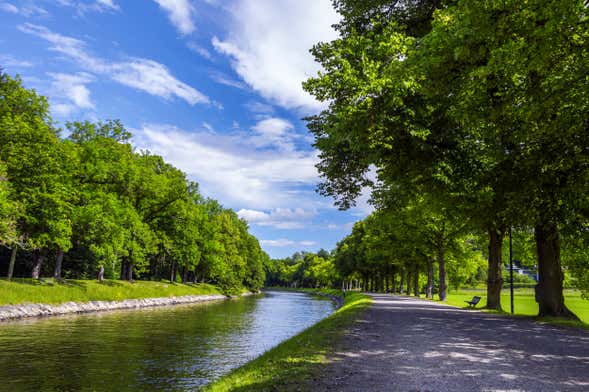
[12, 312]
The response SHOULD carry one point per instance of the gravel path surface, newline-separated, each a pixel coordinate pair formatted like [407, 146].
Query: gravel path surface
[406, 344]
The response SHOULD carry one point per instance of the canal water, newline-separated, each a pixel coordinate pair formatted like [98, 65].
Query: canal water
[172, 348]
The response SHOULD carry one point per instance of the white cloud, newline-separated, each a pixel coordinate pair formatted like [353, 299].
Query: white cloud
[180, 13]
[73, 87]
[284, 242]
[275, 132]
[142, 74]
[345, 226]
[10, 61]
[7, 7]
[63, 109]
[221, 78]
[208, 127]
[107, 4]
[269, 41]
[228, 168]
[33, 10]
[259, 107]
[83, 7]
[155, 78]
[200, 50]
[26, 10]
[280, 218]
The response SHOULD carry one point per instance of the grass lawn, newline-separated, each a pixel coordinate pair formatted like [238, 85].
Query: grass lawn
[524, 302]
[294, 362]
[20, 291]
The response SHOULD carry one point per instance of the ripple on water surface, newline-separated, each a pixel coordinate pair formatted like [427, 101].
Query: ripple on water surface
[173, 348]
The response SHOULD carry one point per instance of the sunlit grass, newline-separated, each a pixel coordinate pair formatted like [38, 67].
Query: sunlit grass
[524, 302]
[294, 362]
[20, 291]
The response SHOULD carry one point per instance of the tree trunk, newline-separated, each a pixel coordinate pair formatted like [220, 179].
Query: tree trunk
[100, 275]
[184, 277]
[408, 292]
[393, 282]
[441, 271]
[549, 288]
[416, 281]
[12, 261]
[37, 263]
[401, 282]
[173, 272]
[130, 272]
[429, 290]
[123, 274]
[58, 262]
[495, 269]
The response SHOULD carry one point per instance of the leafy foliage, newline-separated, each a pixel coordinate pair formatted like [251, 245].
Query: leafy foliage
[103, 206]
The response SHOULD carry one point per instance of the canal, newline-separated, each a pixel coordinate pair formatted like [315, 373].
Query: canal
[171, 348]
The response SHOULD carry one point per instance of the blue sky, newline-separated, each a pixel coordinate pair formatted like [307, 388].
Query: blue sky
[213, 86]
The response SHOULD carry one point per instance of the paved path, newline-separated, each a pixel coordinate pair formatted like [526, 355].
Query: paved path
[406, 344]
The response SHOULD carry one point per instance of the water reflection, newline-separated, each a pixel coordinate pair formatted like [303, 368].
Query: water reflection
[175, 348]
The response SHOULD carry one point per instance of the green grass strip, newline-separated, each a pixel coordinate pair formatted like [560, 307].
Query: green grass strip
[21, 291]
[525, 305]
[296, 360]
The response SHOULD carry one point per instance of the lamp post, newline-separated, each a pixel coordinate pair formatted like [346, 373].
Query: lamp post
[511, 269]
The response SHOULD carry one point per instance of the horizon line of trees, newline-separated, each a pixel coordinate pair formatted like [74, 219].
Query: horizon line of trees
[463, 117]
[89, 205]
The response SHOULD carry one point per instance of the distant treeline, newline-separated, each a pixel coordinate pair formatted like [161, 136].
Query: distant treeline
[303, 269]
[89, 205]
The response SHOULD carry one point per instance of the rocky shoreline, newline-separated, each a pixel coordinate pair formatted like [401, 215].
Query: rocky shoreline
[13, 312]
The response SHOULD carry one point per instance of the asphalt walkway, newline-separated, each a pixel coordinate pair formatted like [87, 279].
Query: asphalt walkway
[407, 344]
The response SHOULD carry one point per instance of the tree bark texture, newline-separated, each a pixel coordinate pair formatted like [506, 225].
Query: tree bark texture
[429, 289]
[549, 288]
[408, 292]
[495, 269]
[416, 281]
[100, 275]
[173, 272]
[393, 282]
[441, 270]
[37, 263]
[12, 262]
[123, 274]
[58, 263]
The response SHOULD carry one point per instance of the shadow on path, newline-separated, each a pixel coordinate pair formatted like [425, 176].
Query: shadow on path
[407, 344]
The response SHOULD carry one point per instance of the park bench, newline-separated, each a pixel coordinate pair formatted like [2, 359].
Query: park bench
[474, 301]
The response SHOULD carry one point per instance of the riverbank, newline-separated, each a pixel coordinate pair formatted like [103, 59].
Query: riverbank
[28, 298]
[48, 291]
[297, 360]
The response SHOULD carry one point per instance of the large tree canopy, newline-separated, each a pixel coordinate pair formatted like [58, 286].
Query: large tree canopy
[479, 104]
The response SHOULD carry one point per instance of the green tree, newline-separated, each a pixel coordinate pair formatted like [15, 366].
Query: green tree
[36, 163]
